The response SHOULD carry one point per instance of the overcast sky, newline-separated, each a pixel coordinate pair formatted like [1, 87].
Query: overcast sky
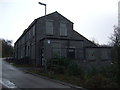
[91, 18]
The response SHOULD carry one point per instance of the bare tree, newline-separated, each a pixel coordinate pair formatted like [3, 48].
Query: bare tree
[115, 42]
[115, 38]
[94, 41]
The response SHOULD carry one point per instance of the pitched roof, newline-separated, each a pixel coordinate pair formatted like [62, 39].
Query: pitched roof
[54, 13]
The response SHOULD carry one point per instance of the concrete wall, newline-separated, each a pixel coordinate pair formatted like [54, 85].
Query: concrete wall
[95, 57]
[62, 46]
[98, 53]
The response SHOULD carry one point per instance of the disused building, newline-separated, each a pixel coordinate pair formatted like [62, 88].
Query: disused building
[53, 35]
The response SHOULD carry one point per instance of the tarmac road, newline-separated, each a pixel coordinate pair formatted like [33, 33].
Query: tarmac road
[15, 78]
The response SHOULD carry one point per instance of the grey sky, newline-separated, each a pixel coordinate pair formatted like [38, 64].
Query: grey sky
[91, 18]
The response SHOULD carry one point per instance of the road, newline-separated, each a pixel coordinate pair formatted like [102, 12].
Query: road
[13, 77]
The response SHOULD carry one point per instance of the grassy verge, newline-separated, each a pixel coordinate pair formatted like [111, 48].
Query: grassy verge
[18, 65]
[62, 77]
[21, 65]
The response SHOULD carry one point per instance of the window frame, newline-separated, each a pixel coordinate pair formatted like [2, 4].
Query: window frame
[65, 33]
[33, 30]
[51, 31]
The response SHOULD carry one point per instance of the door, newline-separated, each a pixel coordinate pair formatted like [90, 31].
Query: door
[71, 53]
[42, 57]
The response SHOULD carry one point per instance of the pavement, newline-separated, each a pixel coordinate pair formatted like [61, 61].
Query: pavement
[21, 78]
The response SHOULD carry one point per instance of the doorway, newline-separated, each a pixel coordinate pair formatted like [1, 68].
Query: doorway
[71, 53]
[42, 57]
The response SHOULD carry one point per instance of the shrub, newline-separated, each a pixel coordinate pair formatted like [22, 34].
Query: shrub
[100, 81]
[92, 71]
[110, 72]
[58, 65]
[58, 61]
[73, 69]
[59, 69]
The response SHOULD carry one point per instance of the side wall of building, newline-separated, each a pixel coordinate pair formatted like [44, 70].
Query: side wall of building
[98, 54]
[25, 45]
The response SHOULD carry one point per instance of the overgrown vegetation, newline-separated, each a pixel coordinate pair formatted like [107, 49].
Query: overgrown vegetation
[66, 70]
[104, 78]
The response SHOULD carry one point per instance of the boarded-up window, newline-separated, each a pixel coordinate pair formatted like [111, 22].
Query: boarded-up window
[91, 54]
[63, 29]
[104, 54]
[29, 34]
[49, 28]
[33, 51]
[33, 31]
[56, 49]
[71, 53]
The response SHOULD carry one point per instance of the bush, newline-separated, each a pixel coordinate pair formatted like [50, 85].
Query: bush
[58, 65]
[92, 71]
[62, 65]
[59, 69]
[99, 81]
[110, 72]
[58, 61]
[73, 69]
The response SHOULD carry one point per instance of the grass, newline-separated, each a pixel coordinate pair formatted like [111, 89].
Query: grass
[95, 81]
[18, 65]
[21, 65]
[63, 77]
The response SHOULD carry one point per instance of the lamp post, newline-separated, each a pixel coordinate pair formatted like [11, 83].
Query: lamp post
[43, 5]
[45, 46]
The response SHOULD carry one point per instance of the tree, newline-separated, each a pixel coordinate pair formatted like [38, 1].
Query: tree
[115, 42]
[115, 38]
[94, 41]
[7, 48]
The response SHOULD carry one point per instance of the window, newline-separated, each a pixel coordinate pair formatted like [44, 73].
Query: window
[63, 29]
[105, 54]
[71, 53]
[32, 51]
[33, 31]
[56, 49]
[22, 40]
[49, 28]
[29, 34]
[91, 54]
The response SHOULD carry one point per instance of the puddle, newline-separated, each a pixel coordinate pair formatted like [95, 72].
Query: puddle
[7, 83]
